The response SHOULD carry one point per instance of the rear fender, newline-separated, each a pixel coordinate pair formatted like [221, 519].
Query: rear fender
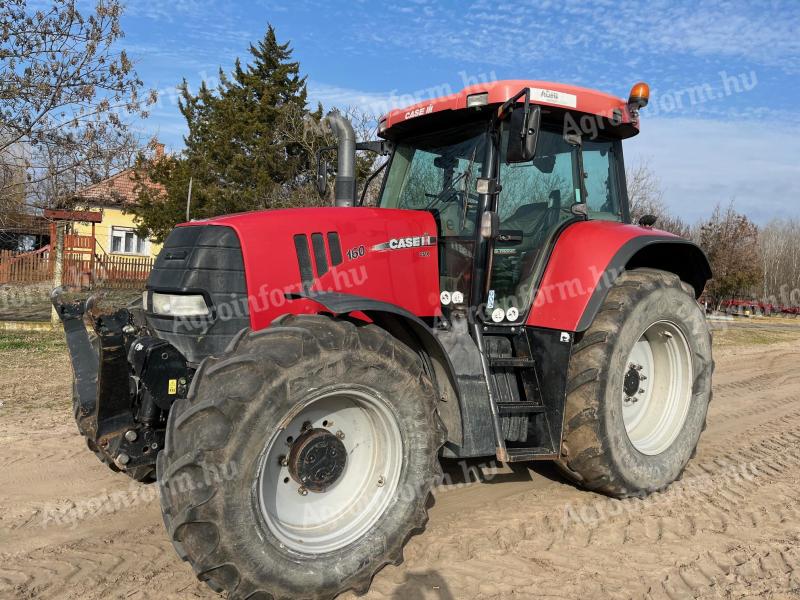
[589, 256]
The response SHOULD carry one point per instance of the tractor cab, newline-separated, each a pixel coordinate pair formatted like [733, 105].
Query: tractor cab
[523, 158]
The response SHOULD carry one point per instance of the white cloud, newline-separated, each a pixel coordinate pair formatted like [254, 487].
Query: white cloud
[166, 11]
[583, 36]
[342, 97]
[373, 103]
[702, 162]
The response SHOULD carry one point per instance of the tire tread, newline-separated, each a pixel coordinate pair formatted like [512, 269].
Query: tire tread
[316, 334]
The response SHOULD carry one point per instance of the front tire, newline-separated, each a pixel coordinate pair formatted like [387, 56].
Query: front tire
[638, 388]
[302, 460]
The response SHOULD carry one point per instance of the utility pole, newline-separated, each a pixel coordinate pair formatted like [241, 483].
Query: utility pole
[189, 199]
[58, 268]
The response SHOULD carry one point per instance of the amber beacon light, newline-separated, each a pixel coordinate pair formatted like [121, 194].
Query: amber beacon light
[640, 95]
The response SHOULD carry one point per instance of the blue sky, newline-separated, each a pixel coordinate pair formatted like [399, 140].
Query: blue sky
[724, 119]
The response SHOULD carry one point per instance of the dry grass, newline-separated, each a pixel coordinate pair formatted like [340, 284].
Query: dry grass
[36, 342]
[739, 335]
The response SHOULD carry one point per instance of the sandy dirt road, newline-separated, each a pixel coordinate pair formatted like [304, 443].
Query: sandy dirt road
[69, 528]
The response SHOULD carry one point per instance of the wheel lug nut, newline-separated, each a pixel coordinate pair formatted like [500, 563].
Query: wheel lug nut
[641, 391]
[131, 435]
[283, 461]
[642, 377]
[306, 426]
[302, 491]
[340, 434]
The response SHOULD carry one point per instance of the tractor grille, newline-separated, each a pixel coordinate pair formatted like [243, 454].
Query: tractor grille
[203, 259]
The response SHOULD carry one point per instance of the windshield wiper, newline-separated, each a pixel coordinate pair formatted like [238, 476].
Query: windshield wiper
[468, 175]
[445, 193]
[465, 176]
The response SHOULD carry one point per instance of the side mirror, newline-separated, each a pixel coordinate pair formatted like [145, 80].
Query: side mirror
[523, 132]
[322, 173]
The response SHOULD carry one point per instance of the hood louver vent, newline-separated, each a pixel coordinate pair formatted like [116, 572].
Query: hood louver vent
[324, 258]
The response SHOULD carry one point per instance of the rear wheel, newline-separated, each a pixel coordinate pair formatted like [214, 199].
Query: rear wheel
[301, 461]
[639, 387]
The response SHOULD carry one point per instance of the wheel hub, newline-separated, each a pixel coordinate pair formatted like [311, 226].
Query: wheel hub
[317, 459]
[632, 381]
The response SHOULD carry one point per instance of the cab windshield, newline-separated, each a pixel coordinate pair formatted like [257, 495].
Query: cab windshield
[437, 173]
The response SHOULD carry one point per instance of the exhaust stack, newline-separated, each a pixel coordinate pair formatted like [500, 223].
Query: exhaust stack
[345, 188]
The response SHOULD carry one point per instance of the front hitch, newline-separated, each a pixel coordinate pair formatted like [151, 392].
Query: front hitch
[83, 355]
[120, 406]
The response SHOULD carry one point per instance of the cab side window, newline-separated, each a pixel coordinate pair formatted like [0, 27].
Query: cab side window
[601, 182]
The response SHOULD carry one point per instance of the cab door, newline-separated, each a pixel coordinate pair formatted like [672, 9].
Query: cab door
[535, 201]
[437, 173]
[570, 179]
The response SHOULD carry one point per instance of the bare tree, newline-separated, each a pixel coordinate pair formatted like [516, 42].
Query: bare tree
[65, 92]
[646, 197]
[311, 133]
[731, 242]
[779, 242]
[66, 169]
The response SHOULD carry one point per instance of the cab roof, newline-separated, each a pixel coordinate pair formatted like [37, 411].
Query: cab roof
[560, 95]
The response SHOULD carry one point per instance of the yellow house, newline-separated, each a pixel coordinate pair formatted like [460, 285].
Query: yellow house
[116, 233]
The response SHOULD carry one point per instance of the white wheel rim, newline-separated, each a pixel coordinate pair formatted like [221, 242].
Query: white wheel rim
[319, 522]
[660, 368]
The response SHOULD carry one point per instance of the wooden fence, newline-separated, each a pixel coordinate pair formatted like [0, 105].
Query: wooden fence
[124, 272]
[25, 267]
[80, 269]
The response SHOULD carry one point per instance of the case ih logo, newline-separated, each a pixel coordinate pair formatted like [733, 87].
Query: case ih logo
[406, 242]
[418, 112]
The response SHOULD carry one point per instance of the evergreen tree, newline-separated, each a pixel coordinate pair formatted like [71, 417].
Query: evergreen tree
[249, 144]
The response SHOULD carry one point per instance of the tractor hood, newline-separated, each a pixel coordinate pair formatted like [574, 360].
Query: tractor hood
[382, 254]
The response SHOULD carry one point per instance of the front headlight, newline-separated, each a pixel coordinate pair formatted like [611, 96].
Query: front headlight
[179, 305]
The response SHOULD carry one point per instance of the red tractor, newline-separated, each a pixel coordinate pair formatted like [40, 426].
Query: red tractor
[292, 378]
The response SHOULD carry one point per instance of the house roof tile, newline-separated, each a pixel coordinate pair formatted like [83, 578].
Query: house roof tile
[118, 190]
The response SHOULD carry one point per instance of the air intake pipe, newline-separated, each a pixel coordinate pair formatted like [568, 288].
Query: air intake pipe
[345, 188]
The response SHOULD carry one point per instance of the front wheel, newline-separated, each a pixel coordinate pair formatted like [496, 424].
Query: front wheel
[302, 460]
[639, 387]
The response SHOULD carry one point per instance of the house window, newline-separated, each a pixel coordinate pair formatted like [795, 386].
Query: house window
[125, 241]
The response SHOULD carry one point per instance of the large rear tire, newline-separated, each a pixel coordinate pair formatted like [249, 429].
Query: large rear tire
[638, 388]
[302, 460]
